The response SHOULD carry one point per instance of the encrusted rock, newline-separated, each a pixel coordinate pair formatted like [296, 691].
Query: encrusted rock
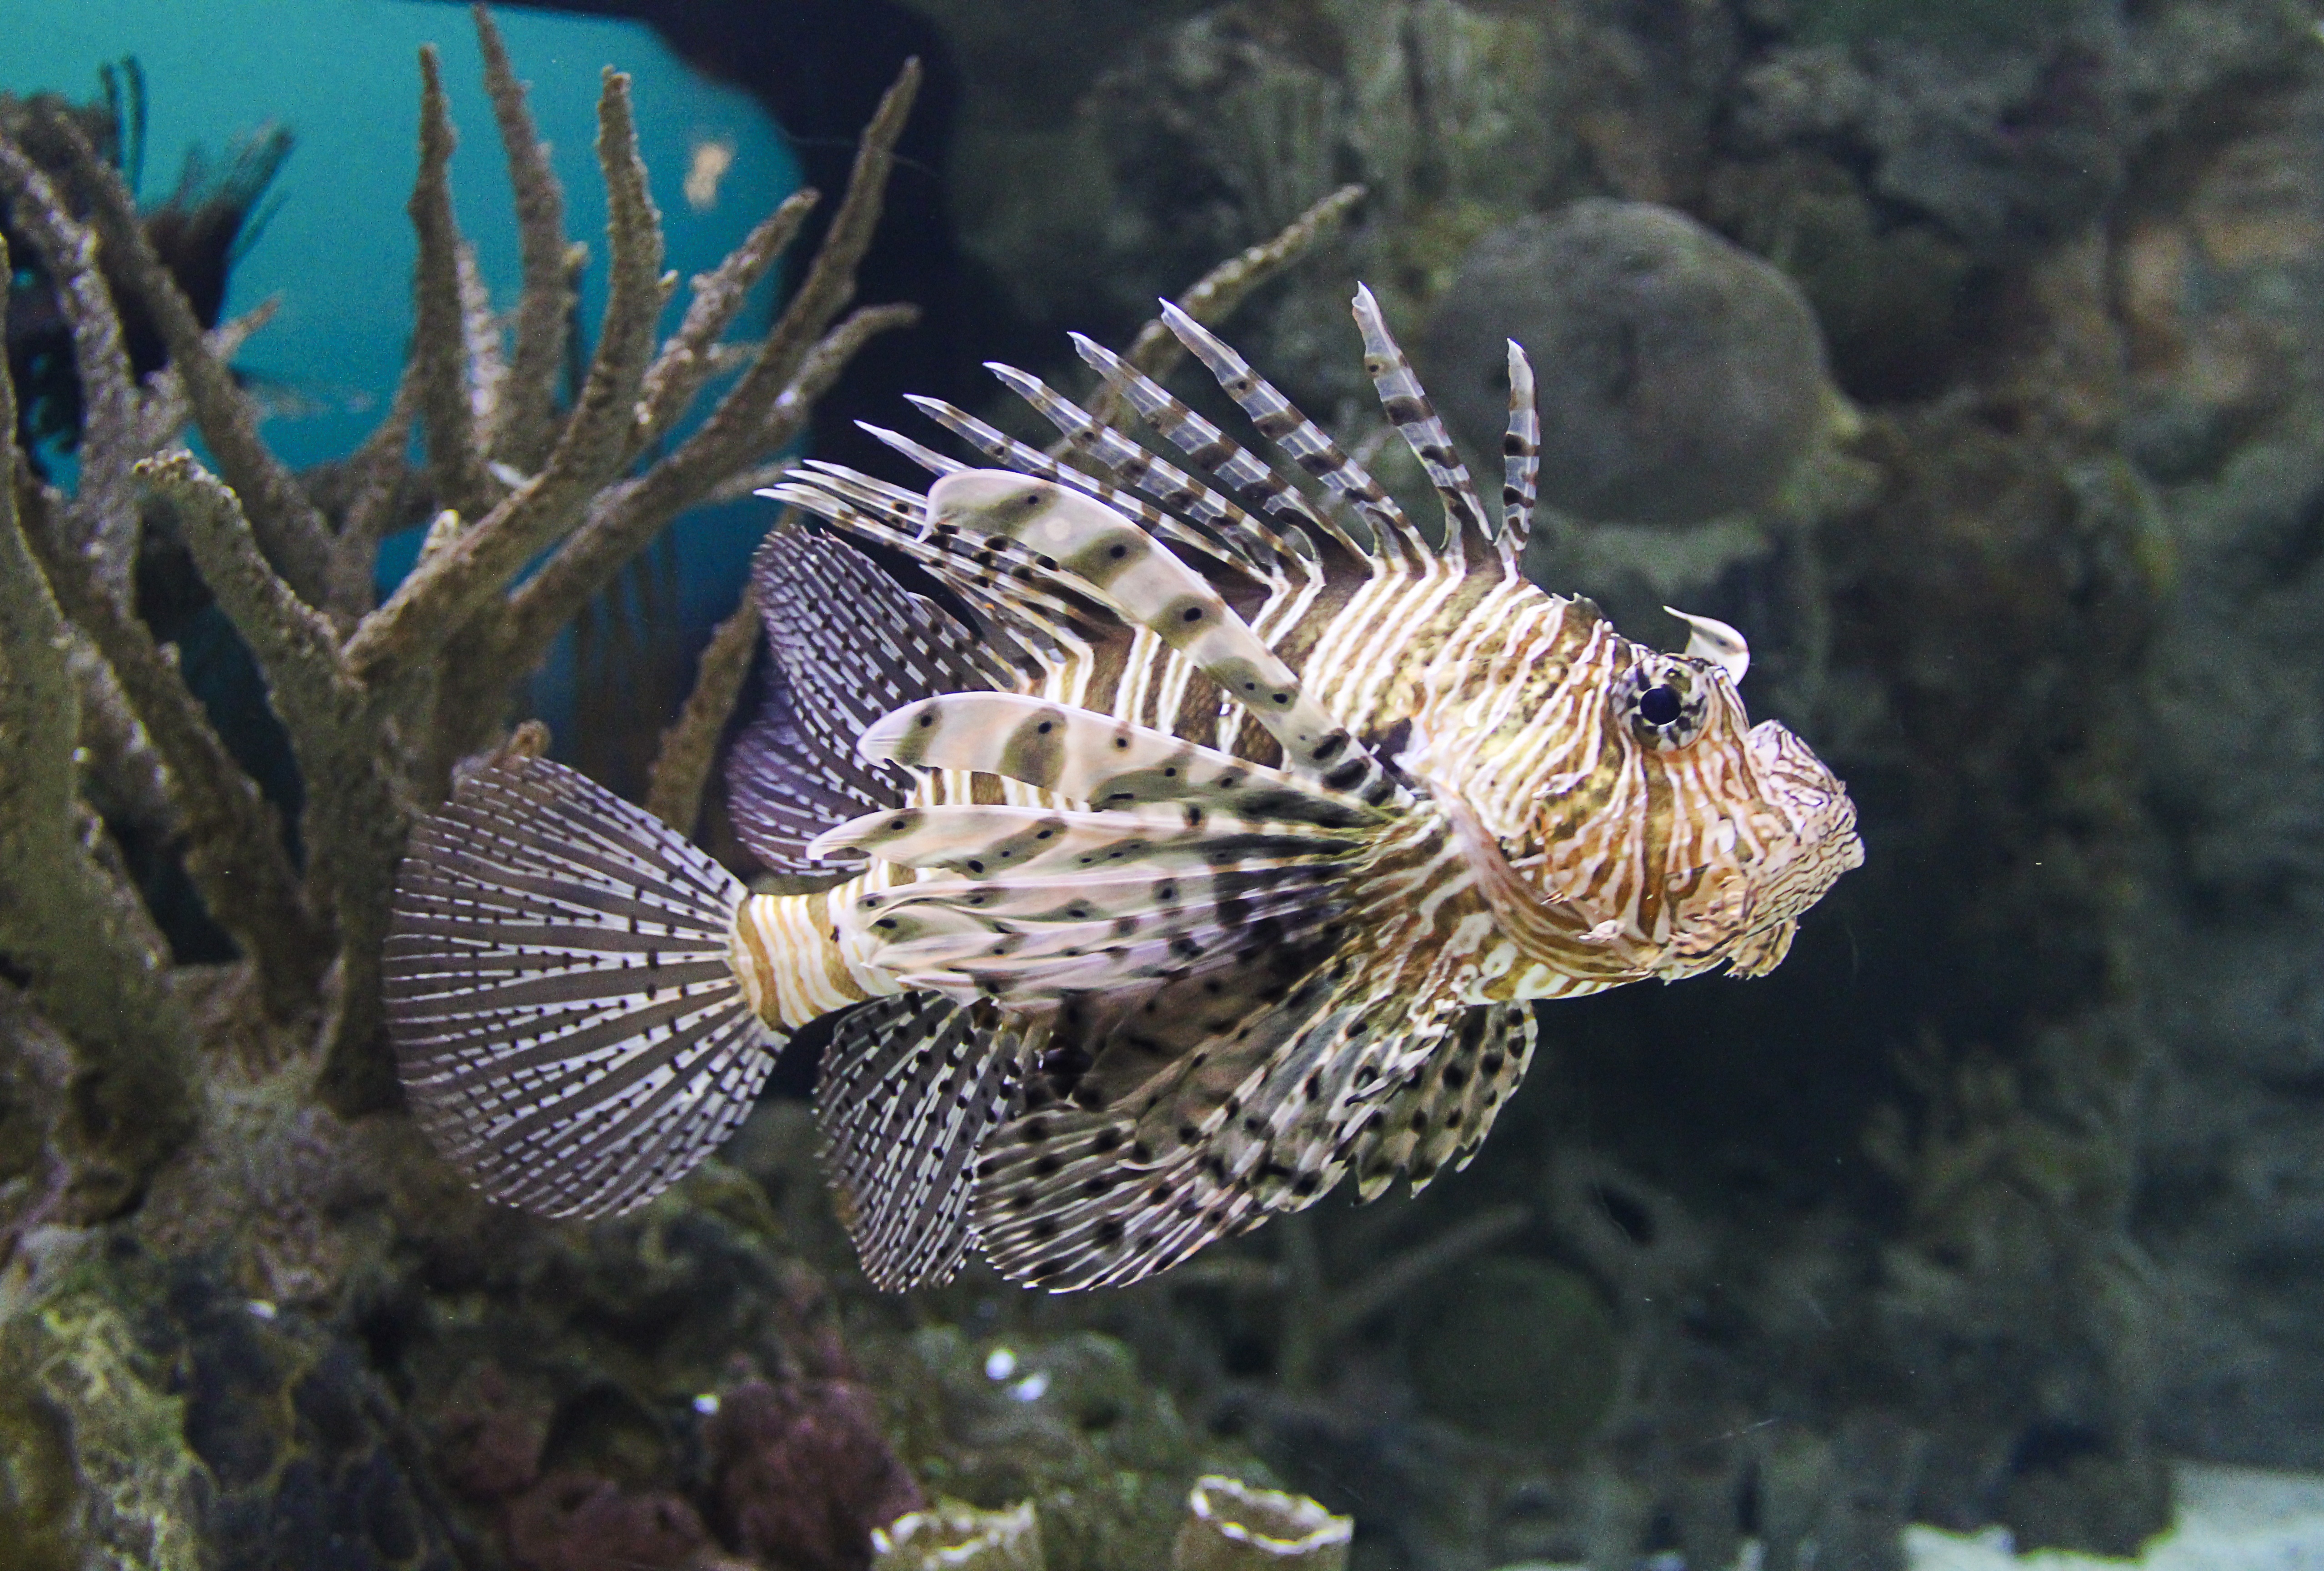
[1679, 377]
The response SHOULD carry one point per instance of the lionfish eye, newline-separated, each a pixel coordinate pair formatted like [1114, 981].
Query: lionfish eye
[1659, 705]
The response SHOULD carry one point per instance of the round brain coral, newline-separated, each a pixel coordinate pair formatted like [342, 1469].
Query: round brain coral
[1680, 377]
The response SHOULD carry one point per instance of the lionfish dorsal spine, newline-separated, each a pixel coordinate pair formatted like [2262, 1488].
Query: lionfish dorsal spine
[1520, 462]
[1408, 409]
[1303, 441]
[1009, 454]
[1259, 549]
[1217, 455]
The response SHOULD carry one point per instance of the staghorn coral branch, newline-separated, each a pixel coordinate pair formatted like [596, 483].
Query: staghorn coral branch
[163, 411]
[681, 768]
[480, 333]
[121, 775]
[451, 587]
[107, 517]
[1156, 351]
[629, 517]
[824, 363]
[689, 358]
[234, 843]
[80, 938]
[527, 427]
[448, 423]
[734, 435]
[356, 816]
[751, 420]
[376, 473]
[290, 530]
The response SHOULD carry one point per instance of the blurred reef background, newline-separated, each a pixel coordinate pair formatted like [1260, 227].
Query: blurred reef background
[1969, 356]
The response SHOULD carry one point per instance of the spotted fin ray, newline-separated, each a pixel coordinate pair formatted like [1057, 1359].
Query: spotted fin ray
[1260, 1113]
[908, 1091]
[780, 790]
[567, 1025]
[1087, 757]
[980, 840]
[1442, 1110]
[959, 939]
[1151, 587]
[848, 643]
[1033, 616]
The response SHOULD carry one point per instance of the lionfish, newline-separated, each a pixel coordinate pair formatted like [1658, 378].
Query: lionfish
[1217, 835]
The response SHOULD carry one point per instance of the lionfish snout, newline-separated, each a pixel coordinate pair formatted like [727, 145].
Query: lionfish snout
[1804, 790]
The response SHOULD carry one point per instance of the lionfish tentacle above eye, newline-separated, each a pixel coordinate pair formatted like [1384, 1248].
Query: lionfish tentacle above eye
[1709, 638]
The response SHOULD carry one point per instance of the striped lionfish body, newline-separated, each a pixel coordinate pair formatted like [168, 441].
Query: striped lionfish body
[1216, 844]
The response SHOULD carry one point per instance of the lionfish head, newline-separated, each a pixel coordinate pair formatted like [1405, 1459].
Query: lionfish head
[1622, 793]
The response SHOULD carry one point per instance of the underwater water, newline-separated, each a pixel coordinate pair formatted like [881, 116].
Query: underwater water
[334, 248]
[1607, 855]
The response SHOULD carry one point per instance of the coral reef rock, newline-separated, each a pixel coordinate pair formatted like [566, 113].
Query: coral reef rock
[1680, 377]
[804, 1475]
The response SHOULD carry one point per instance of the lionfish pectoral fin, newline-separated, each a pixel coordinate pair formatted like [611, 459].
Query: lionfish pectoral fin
[1109, 924]
[983, 840]
[849, 643]
[567, 1024]
[1443, 1113]
[1148, 585]
[908, 1091]
[1242, 1104]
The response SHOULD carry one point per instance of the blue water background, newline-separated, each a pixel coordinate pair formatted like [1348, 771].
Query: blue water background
[337, 250]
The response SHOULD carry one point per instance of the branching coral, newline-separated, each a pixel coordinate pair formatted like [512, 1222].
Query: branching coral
[537, 507]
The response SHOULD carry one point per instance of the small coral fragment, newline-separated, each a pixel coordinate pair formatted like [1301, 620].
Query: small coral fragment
[1232, 1526]
[953, 1537]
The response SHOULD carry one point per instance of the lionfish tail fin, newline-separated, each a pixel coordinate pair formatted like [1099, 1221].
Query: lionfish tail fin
[567, 1026]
